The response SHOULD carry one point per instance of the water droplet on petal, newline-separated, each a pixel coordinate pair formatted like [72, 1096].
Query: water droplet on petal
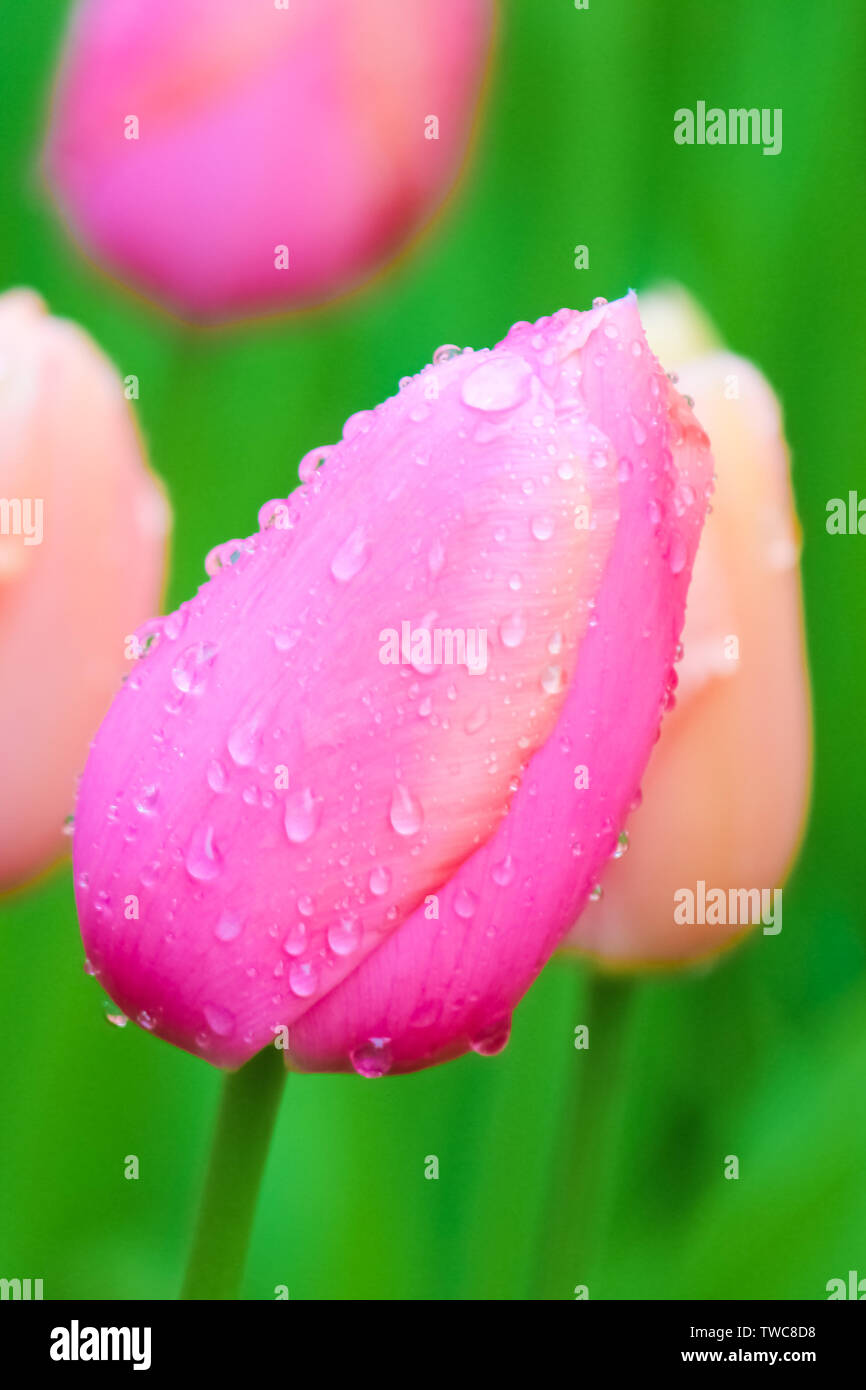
[301, 816]
[146, 800]
[491, 1040]
[426, 1014]
[476, 720]
[295, 943]
[380, 881]
[344, 936]
[552, 680]
[216, 776]
[243, 743]
[542, 527]
[203, 861]
[351, 557]
[503, 872]
[373, 1058]
[220, 1021]
[286, 637]
[501, 383]
[677, 553]
[228, 927]
[621, 845]
[311, 461]
[191, 670]
[512, 630]
[445, 353]
[465, 904]
[304, 978]
[406, 814]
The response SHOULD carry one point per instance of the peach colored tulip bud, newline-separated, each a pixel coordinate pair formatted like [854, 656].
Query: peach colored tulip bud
[83, 529]
[725, 793]
[228, 157]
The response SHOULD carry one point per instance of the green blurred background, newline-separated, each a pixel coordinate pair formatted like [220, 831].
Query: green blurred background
[763, 1055]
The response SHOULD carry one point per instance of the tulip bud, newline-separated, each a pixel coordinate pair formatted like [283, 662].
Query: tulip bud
[725, 793]
[330, 818]
[228, 158]
[83, 527]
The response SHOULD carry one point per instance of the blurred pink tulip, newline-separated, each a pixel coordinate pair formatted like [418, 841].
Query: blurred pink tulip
[725, 794]
[292, 818]
[229, 158]
[83, 528]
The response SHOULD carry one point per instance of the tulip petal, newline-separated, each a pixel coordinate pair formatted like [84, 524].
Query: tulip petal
[228, 158]
[440, 986]
[268, 798]
[73, 590]
[726, 791]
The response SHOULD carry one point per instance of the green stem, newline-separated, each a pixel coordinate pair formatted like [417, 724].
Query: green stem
[248, 1109]
[583, 1156]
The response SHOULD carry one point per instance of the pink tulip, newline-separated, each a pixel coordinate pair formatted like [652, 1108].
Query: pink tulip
[441, 827]
[82, 550]
[229, 158]
[725, 794]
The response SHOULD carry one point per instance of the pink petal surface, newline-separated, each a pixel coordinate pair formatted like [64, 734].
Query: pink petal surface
[259, 127]
[522, 492]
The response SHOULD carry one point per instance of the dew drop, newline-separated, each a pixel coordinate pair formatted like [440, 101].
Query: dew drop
[621, 846]
[542, 527]
[503, 872]
[476, 720]
[445, 353]
[552, 680]
[303, 978]
[228, 927]
[426, 1014]
[493, 1039]
[465, 904]
[216, 776]
[311, 461]
[512, 630]
[219, 1020]
[243, 743]
[146, 800]
[295, 943]
[499, 384]
[373, 1058]
[203, 861]
[344, 936]
[379, 881]
[677, 553]
[191, 670]
[301, 816]
[406, 814]
[351, 557]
